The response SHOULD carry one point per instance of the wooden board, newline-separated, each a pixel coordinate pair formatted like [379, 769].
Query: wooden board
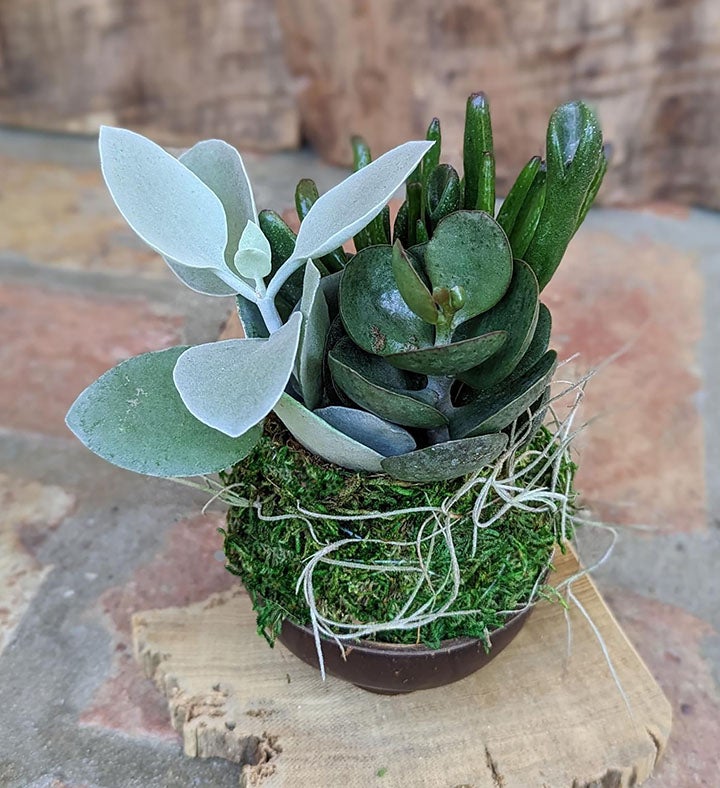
[530, 718]
[178, 70]
[384, 68]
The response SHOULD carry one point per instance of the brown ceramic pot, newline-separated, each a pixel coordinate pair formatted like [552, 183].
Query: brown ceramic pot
[393, 669]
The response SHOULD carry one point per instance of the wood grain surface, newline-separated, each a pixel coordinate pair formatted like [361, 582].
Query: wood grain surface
[532, 717]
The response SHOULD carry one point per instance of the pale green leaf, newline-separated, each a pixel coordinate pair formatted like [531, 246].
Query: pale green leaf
[221, 167]
[232, 385]
[253, 258]
[166, 204]
[320, 438]
[316, 323]
[351, 205]
[133, 417]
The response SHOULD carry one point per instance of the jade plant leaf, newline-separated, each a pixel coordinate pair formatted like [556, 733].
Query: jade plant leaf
[538, 345]
[494, 410]
[133, 417]
[470, 250]
[382, 389]
[374, 313]
[516, 313]
[253, 258]
[351, 205]
[446, 460]
[220, 166]
[411, 286]
[233, 384]
[450, 359]
[320, 438]
[316, 323]
[370, 430]
[165, 203]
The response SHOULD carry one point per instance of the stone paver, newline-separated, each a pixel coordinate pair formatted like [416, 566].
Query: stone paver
[83, 544]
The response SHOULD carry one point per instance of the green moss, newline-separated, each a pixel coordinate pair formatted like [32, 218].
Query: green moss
[269, 556]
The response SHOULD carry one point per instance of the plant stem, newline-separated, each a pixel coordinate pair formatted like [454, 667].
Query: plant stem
[441, 386]
[270, 315]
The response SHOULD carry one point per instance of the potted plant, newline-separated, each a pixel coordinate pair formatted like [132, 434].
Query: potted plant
[395, 496]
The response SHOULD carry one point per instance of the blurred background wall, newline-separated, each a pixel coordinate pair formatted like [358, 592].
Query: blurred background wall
[271, 75]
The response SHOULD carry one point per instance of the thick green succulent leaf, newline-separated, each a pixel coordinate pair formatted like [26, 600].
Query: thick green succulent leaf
[330, 286]
[516, 313]
[370, 430]
[529, 216]
[382, 389]
[133, 417]
[538, 345]
[509, 210]
[374, 313]
[494, 410]
[470, 250]
[477, 142]
[446, 460]
[251, 320]
[280, 236]
[221, 168]
[411, 285]
[351, 205]
[444, 194]
[400, 225]
[166, 204]
[320, 438]
[594, 188]
[231, 385]
[574, 156]
[431, 160]
[529, 422]
[450, 359]
[316, 322]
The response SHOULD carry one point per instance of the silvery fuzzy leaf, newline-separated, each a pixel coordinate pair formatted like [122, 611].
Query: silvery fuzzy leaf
[370, 430]
[351, 205]
[233, 384]
[201, 280]
[253, 258]
[133, 417]
[221, 167]
[316, 323]
[166, 204]
[320, 438]
[348, 207]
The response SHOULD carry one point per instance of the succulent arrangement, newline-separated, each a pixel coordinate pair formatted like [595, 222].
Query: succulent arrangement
[414, 356]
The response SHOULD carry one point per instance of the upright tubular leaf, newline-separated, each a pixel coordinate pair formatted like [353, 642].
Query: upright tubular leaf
[444, 193]
[529, 216]
[432, 157]
[594, 189]
[414, 203]
[478, 140]
[512, 204]
[574, 152]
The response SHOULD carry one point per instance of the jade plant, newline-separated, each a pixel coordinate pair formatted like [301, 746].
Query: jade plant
[415, 355]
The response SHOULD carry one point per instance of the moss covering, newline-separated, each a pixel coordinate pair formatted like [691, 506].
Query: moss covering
[269, 556]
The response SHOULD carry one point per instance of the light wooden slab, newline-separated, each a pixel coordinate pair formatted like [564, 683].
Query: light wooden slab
[529, 719]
